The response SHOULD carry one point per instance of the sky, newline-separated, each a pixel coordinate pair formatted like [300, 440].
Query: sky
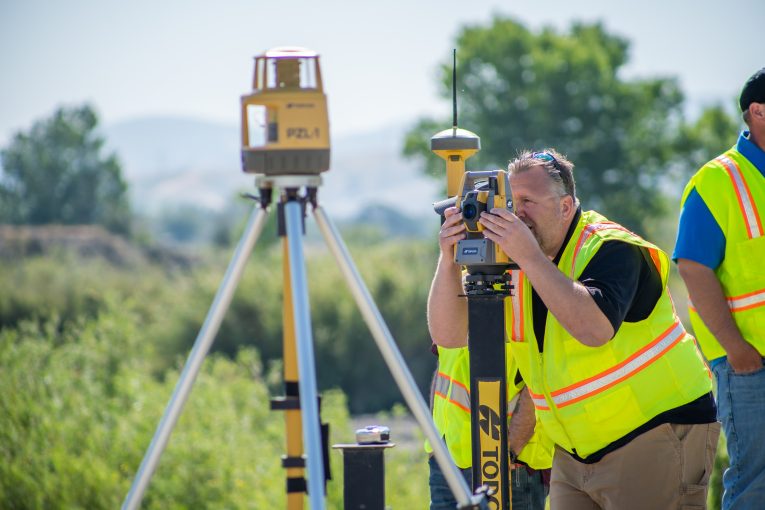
[379, 59]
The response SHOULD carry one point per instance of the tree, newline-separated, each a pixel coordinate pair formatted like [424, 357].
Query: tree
[56, 173]
[521, 89]
[712, 133]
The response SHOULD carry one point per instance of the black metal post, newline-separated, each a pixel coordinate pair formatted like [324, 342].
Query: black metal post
[364, 475]
[488, 388]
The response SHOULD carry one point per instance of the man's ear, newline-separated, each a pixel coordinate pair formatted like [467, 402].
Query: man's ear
[567, 207]
[757, 111]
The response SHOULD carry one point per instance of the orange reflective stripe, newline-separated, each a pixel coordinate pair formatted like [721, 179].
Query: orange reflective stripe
[741, 303]
[539, 401]
[747, 301]
[460, 395]
[745, 202]
[587, 232]
[517, 302]
[627, 368]
[441, 385]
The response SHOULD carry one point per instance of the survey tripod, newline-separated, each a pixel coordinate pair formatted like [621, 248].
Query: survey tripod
[295, 194]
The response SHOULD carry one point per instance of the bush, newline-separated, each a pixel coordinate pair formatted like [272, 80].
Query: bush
[172, 306]
[90, 379]
[85, 406]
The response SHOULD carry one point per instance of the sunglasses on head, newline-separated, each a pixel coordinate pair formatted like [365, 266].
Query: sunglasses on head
[546, 156]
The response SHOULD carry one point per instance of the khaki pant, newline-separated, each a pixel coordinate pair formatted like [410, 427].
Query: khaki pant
[665, 468]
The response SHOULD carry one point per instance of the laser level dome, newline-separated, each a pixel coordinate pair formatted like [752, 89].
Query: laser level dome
[285, 126]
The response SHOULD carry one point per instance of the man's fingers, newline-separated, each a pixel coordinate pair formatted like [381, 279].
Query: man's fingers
[503, 213]
[452, 231]
[451, 211]
[452, 219]
[495, 222]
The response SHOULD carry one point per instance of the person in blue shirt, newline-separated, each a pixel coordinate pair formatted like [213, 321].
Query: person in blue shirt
[719, 242]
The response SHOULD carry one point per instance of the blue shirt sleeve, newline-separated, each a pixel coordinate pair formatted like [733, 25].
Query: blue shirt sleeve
[699, 237]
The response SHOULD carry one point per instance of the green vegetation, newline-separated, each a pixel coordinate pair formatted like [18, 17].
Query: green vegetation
[92, 355]
[173, 305]
[56, 173]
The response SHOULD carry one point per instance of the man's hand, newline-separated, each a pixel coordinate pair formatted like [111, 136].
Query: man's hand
[744, 359]
[447, 308]
[521, 427]
[452, 231]
[511, 234]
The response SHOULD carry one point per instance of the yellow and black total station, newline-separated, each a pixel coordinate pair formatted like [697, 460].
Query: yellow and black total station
[487, 284]
[285, 142]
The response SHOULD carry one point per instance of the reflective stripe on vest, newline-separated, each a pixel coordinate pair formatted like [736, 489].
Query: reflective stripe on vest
[539, 401]
[741, 303]
[587, 231]
[441, 386]
[627, 368]
[460, 394]
[744, 195]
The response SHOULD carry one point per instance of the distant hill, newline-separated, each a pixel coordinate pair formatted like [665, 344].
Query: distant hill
[171, 161]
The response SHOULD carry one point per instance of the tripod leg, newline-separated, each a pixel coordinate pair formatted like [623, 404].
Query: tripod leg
[393, 358]
[196, 357]
[293, 213]
[292, 417]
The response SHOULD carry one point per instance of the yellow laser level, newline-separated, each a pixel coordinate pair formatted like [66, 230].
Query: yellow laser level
[285, 127]
[454, 145]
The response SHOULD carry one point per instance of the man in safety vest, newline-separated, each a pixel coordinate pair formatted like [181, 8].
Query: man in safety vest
[450, 401]
[616, 382]
[720, 252]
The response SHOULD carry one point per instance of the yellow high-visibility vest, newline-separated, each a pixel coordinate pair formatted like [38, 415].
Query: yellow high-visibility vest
[734, 191]
[451, 410]
[588, 397]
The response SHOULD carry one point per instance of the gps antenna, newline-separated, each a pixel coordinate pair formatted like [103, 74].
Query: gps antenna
[454, 145]
[454, 88]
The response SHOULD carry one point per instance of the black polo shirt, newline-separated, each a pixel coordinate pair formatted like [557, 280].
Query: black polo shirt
[625, 284]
